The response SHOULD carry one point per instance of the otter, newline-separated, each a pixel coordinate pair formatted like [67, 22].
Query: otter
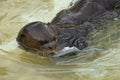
[65, 29]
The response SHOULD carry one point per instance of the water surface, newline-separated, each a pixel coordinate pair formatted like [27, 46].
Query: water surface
[17, 64]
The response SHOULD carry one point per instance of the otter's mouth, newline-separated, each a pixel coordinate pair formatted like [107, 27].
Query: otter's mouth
[67, 51]
[33, 50]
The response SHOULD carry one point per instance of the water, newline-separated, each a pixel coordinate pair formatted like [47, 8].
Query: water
[16, 64]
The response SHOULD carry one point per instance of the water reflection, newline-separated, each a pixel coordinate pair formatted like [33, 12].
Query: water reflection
[17, 64]
[3, 71]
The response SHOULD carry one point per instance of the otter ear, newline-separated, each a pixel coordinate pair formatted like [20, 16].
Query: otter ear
[80, 43]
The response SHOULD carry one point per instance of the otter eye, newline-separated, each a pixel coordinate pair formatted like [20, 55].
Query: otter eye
[22, 35]
[54, 38]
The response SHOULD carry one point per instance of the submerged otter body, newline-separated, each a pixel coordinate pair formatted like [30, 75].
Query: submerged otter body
[83, 11]
[65, 29]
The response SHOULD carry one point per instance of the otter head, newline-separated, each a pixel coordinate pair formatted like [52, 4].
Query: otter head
[50, 39]
[38, 36]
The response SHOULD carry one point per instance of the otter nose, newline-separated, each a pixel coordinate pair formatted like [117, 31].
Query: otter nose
[50, 45]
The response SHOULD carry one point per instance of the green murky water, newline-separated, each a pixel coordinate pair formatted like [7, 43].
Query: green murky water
[16, 64]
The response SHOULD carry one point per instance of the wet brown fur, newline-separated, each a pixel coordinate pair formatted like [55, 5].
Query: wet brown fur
[64, 30]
